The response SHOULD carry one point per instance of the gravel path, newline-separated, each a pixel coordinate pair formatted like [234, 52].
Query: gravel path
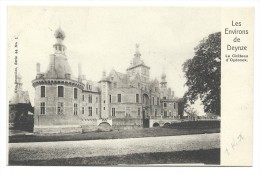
[90, 148]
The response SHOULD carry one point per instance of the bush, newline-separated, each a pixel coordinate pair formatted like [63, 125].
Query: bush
[196, 124]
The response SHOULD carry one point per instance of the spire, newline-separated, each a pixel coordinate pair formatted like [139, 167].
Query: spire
[60, 36]
[137, 56]
[137, 52]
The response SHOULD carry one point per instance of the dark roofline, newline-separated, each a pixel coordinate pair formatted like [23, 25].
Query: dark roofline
[138, 66]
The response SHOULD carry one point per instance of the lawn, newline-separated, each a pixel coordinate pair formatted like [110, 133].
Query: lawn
[211, 156]
[136, 133]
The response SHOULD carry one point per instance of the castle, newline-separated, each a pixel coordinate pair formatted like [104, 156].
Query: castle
[65, 103]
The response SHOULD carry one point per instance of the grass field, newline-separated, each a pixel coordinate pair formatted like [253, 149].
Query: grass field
[211, 156]
[137, 133]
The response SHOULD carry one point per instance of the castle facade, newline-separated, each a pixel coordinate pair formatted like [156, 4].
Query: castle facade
[66, 103]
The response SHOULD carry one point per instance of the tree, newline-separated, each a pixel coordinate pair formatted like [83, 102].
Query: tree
[203, 74]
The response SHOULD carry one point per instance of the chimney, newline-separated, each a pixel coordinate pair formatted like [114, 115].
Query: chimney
[79, 71]
[38, 68]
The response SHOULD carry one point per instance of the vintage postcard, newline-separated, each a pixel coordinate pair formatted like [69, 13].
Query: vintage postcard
[130, 85]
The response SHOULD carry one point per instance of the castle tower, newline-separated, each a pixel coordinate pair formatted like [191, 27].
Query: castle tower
[105, 110]
[57, 91]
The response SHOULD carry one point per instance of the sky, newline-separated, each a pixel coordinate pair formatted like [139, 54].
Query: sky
[104, 38]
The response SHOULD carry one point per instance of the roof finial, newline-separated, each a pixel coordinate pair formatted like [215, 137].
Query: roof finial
[59, 34]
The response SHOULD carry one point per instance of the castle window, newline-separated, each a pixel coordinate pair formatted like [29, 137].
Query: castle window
[83, 110]
[83, 97]
[170, 113]
[42, 108]
[137, 98]
[75, 93]
[155, 112]
[164, 98]
[139, 112]
[119, 98]
[110, 99]
[165, 113]
[113, 112]
[75, 109]
[60, 91]
[165, 104]
[90, 98]
[158, 100]
[60, 108]
[89, 111]
[96, 111]
[174, 105]
[43, 91]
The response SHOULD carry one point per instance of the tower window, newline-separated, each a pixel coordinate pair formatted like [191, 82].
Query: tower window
[119, 98]
[60, 108]
[96, 111]
[83, 110]
[42, 108]
[165, 113]
[155, 112]
[165, 104]
[110, 99]
[139, 111]
[43, 91]
[75, 93]
[83, 97]
[60, 91]
[75, 109]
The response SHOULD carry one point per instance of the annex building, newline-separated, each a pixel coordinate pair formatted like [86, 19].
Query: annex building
[68, 103]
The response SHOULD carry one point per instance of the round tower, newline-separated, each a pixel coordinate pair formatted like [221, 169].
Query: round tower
[57, 91]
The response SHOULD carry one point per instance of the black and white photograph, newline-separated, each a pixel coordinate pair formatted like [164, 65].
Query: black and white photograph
[119, 86]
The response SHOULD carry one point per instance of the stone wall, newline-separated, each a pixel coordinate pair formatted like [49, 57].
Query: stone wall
[51, 100]
[127, 123]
